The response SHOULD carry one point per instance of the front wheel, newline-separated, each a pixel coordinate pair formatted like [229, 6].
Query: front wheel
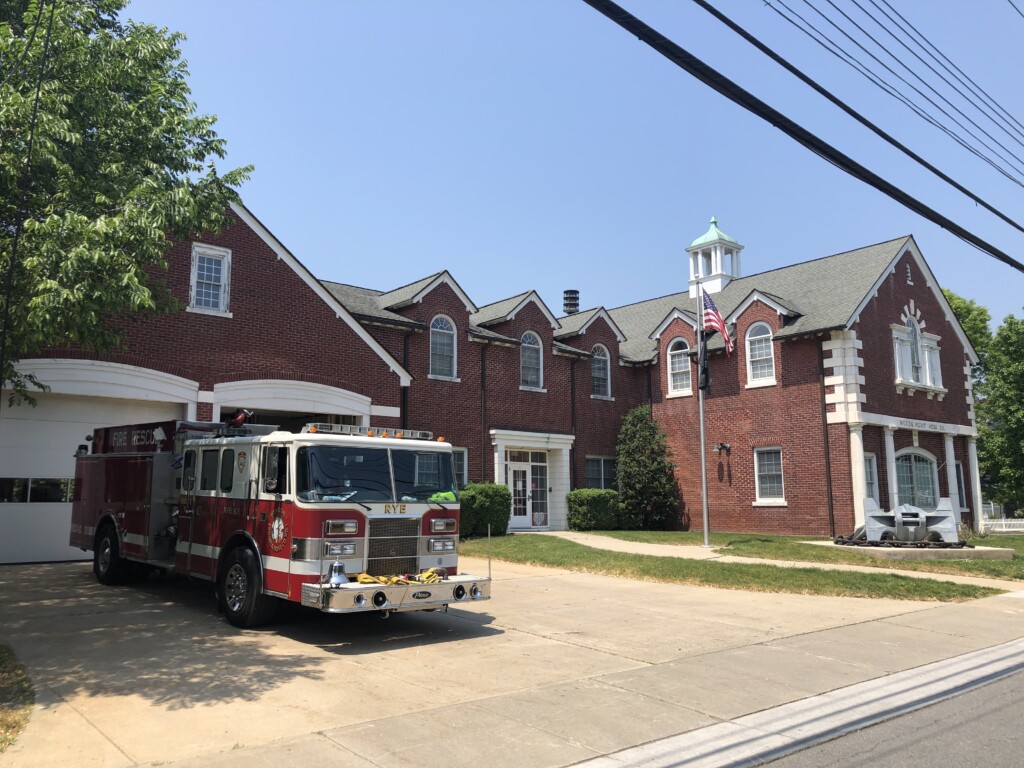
[240, 591]
[106, 557]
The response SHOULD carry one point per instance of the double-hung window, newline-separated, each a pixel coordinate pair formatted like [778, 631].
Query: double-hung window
[768, 474]
[600, 373]
[760, 356]
[600, 472]
[679, 382]
[210, 286]
[442, 348]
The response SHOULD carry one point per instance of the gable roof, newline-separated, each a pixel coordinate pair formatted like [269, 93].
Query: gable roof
[577, 323]
[320, 290]
[822, 294]
[507, 309]
[414, 292]
[364, 304]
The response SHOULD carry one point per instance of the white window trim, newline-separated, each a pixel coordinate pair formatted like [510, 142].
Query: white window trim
[931, 362]
[212, 252]
[683, 391]
[607, 357]
[935, 471]
[872, 460]
[540, 363]
[961, 482]
[753, 383]
[768, 501]
[465, 465]
[602, 459]
[455, 351]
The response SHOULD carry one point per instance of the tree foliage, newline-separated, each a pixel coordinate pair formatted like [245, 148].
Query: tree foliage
[646, 475]
[974, 319]
[120, 161]
[1001, 416]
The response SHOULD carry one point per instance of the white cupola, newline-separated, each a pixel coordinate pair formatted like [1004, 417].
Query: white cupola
[714, 260]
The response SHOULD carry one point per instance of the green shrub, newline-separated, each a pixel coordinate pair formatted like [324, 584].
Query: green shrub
[483, 504]
[594, 509]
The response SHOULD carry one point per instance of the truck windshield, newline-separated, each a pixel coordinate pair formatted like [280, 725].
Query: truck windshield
[424, 476]
[334, 473]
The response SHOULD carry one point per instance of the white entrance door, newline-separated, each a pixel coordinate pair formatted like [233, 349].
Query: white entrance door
[528, 481]
[518, 483]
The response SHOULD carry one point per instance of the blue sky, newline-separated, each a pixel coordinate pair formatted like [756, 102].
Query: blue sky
[533, 144]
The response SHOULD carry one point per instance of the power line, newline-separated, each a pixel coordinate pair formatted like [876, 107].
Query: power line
[1015, 8]
[817, 36]
[917, 90]
[945, 62]
[723, 85]
[850, 111]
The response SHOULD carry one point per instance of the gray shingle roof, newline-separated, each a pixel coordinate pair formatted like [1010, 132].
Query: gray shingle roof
[405, 294]
[365, 304]
[498, 311]
[825, 292]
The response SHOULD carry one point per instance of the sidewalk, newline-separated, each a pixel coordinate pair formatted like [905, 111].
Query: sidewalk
[720, 555]
[559, 668]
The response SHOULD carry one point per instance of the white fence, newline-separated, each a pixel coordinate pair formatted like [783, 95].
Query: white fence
[992, 520]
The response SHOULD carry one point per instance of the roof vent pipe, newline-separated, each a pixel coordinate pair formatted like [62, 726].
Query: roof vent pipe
[570, 302]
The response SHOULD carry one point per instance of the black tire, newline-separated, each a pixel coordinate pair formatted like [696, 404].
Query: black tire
[106, 557]
[240, 591]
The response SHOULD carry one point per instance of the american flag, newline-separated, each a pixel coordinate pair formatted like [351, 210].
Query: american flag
[713, 321]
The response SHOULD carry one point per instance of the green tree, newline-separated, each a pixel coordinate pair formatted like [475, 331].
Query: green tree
[1001, 416]
[974, 319]
[646, 475]
[120, 162]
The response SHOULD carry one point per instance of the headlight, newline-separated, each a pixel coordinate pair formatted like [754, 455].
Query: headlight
[339, 527]
[442, 525]
[339, 548]
[441, 545]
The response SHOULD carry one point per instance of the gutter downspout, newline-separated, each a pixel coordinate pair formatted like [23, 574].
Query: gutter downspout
[403, 402]
[572, 420]
[484, 436]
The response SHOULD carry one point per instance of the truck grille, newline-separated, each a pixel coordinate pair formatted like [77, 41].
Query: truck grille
[393, 547]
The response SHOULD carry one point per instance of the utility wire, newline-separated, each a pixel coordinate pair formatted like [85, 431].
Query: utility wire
[977, 92]
[850, 111]
[1015, 8]
[953, 68]
[15, 66]
[22, 213]
[969, 98]
[811, 31]
[919, 92]
[926, 84]
[723, 85]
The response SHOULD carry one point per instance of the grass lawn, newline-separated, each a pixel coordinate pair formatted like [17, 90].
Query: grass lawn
[16, 697]
[537, 549]
[792, 548]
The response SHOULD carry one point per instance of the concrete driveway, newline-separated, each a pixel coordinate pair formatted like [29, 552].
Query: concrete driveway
[558, 668]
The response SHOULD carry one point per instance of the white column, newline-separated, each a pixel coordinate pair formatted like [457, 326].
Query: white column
[951, 474]
[972, 458]
[857, 474]
[890, 467]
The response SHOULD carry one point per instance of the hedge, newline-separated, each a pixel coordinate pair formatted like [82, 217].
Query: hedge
[483, 504]
[594, 509]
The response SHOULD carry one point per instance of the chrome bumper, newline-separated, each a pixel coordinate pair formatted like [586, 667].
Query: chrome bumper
[354, 597]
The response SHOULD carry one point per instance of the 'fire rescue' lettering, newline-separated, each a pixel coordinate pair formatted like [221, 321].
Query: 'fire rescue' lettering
[135, 437]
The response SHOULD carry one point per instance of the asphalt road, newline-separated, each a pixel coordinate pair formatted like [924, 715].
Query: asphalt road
[979, 728]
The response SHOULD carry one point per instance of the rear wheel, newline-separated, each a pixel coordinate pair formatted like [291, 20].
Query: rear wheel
[106, 557]
[240, 591]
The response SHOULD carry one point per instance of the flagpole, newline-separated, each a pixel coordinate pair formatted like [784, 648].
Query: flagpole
[700, 407]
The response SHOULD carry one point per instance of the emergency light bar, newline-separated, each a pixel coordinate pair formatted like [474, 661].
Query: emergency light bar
[351, 429]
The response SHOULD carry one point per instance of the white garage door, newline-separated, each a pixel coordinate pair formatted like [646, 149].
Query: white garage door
[37, 461]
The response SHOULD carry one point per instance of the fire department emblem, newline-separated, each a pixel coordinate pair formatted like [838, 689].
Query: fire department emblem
[241, 461]
[278, 531]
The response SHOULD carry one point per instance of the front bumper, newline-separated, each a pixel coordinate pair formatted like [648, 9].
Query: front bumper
[354, 597]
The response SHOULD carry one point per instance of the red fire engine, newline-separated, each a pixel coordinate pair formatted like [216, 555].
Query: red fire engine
[336, 517]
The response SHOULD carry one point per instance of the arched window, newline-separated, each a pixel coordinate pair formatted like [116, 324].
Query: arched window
[760, 355]
[679, 368]
[531, 372]
[600, 373]
[442, 347]
[914, 343]
[917, 479]
[917, 354]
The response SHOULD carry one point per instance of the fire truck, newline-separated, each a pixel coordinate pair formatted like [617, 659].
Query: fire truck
[339, 518]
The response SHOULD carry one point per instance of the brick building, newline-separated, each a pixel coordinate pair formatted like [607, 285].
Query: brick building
[850, 379]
